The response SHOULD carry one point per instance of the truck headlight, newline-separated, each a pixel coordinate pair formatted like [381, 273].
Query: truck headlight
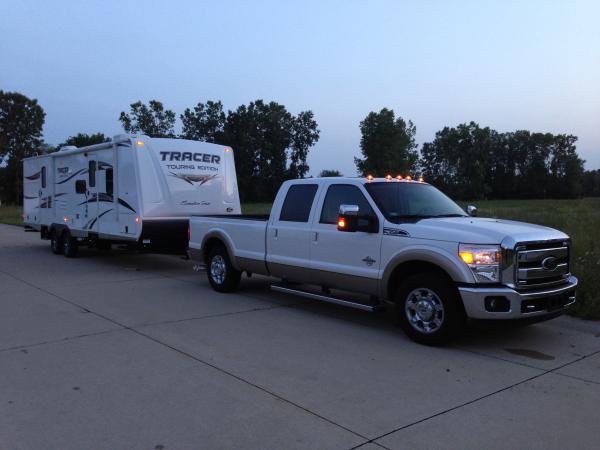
[483, 260]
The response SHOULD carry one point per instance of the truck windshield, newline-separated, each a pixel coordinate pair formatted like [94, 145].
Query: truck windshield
[398, 200]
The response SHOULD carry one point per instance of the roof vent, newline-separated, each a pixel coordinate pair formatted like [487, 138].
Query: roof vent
[67, 148]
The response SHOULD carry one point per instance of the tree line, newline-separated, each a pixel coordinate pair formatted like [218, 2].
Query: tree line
[271, 145]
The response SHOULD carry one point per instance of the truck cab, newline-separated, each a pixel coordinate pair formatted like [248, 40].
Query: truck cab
[398, 242]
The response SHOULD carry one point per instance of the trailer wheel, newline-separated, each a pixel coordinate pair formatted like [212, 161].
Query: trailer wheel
[222, 276]
[429, 309]
[56, 244]
[70, 245]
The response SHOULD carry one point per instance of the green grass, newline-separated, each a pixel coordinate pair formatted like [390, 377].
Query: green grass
[11, 214]
[580, 219]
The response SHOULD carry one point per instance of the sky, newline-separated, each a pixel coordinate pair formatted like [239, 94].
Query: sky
[508, 65]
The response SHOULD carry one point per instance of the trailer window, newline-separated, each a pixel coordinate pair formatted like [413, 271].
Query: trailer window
[92, 173]
[44, 177]
[109, 181]
[298, 202]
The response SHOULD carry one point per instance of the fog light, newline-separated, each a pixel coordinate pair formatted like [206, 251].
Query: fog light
[497, 304]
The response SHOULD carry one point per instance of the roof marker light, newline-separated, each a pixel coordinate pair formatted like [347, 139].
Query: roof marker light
[227, 149]
[399, 177]
[420, 179]
[388, 177]
[370, 177]
[408, 178]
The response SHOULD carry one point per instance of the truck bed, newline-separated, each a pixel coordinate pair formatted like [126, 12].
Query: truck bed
[261, 217]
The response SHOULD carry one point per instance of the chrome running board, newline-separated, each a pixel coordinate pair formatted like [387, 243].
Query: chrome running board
[324, 298]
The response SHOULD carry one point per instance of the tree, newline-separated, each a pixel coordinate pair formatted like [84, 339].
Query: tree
[458, 160]
[152, 120]
[263, 136]
[330, 173]
[387, 144]
[21, 123]
[304, 135]
[205, 123]
[591, 183]
[83, 140]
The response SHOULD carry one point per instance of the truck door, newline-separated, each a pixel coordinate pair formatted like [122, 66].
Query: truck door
[344, 260]
[288, 236]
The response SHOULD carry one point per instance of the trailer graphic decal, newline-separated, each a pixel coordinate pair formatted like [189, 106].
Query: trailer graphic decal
[191, 179]
[79, 172]
[92, 222]
[35, 176]
[106, 198]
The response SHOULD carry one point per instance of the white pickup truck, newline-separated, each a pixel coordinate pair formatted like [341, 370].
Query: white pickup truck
[393, 242]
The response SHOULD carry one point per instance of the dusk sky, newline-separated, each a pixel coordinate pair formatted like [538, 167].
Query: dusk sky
[506, 64]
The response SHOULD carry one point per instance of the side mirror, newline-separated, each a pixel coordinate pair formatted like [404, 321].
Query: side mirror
[472, 210]
[80, 186]
[350, 220]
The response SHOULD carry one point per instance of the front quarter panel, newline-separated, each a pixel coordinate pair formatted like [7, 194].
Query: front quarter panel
[398, 249]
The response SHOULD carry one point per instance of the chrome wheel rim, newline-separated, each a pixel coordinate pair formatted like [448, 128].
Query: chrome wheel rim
[218, 269]
[424, 310]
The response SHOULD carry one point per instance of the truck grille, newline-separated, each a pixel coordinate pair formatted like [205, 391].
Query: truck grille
[542, 263]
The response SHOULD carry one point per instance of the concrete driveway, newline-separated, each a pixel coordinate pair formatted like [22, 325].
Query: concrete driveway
[114, 350]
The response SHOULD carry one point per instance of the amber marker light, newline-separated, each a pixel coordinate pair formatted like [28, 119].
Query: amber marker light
[341, 223]
[399, 177]
[139, 143]
[388, 177]
[467, 257]
[408, 178]
[227, 150]
[138, 220]
[420, 179]
[370, 177]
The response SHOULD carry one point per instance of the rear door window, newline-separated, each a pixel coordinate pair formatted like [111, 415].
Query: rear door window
[298, 203]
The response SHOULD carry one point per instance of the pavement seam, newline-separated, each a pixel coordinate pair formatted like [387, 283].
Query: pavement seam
[211, 316]
[55, 341]
[577, 378]
[194, 358]
[475, 400]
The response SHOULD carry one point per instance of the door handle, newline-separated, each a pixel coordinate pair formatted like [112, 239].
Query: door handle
[276, 232]
[316, 236]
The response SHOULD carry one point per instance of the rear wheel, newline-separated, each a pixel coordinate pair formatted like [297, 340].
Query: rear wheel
[69, 245]
[429, 309]
[222, 276]
[56, 243]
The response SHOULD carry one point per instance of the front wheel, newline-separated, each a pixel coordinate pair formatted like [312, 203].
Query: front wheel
[222, 276]
[429, 309]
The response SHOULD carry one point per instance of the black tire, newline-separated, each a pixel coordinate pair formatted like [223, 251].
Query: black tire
[433, 297]
[70, 245]
[56, 244]
[221, 274]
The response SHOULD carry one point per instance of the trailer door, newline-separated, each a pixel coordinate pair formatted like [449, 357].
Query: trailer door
[92, 196]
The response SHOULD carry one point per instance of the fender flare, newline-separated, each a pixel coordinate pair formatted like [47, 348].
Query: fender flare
[457, 271]
[227, 242]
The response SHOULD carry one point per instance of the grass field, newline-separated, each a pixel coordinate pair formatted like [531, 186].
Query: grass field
[578, 218]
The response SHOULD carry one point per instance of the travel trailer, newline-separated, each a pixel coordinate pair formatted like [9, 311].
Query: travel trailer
[133, 189]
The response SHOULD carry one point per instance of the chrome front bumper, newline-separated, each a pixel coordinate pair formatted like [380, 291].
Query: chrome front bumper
[523, 304]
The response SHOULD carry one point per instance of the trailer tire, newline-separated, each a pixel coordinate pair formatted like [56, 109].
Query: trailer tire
[56, 244]
[70, 245]
[429, 309]
[222, 276]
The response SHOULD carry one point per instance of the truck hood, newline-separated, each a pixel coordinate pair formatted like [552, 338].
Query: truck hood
[478, 230]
